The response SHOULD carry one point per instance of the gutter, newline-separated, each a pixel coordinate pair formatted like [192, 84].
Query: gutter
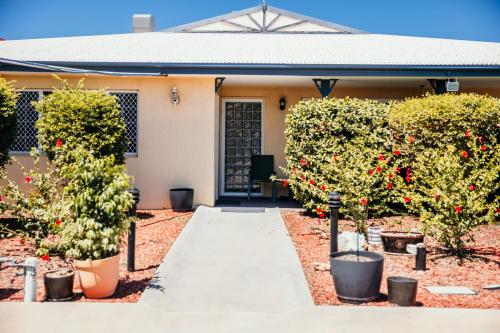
[161, 68]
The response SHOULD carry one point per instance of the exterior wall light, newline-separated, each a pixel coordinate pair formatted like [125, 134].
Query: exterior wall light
[174, 96]
[282, 103]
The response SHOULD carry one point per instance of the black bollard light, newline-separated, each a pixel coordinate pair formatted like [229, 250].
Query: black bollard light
[334, 205]
[131, 235]
[420, 259]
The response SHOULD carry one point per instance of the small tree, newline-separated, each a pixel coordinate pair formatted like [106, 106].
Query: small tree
[8, 98]
[97, 200]
[71, 117]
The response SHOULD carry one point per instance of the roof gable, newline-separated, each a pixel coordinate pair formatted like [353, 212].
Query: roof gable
[263, 19]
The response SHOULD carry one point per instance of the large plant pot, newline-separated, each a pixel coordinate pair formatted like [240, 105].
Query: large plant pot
[98, 278]
[357, 281]
[181, 199]
[59, 285]
[395, 242]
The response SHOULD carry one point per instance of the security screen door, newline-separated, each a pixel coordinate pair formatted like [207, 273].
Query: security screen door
[242, 139]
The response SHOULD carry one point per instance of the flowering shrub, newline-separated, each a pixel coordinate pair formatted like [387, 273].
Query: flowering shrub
[8, 99]
[323, 137]
[72, 117]
[456, 189]
[97, 202]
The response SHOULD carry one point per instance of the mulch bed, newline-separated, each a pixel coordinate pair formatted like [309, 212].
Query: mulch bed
[311, 239]
[156, 232]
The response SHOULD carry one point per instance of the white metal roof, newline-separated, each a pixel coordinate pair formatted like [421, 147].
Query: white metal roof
[238, 48]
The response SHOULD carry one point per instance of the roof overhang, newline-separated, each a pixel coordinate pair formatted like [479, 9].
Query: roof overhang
[106, 68]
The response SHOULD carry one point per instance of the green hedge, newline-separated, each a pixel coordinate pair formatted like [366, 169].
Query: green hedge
[8, 98]
[73, 117]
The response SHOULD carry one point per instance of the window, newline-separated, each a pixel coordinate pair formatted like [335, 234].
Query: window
[26, 136]
[128, 107]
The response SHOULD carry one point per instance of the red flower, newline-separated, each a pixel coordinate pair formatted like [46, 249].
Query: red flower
[381, 157]
[364, 201]
[472, 187]
[323, 187]
[467, 133]
[396, 153]
[321, 215]
[334, 157]
[389, 186]
[57, 222]
[285, 183]
[312, 182]
[370, 172]
[408, 179]
[390, 176]
[379, 169]
[303, 162]
[464, 154]
[411, 139]
[45, 257]
[398, 169]
[480, 139]
[436, 197]
[498, 210]
[58, 143]
[27, 179]
[407, 200]
[319, 210]
[458, 209]
[483, 148]
[302, 177]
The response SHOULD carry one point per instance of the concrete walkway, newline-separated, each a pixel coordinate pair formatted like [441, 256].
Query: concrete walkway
[231, 260]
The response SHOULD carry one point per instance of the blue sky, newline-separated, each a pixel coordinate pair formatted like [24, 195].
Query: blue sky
[459, 19]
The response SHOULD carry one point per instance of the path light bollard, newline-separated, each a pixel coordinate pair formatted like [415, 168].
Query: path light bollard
[131, 235]
[420, 259]
[334, 205]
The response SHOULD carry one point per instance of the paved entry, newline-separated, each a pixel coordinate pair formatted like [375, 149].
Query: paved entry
[229, 259]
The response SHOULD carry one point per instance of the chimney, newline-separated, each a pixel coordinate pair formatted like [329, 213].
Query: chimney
[143, 23]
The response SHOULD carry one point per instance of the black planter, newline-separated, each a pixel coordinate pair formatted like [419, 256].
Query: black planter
[395, 241]
[357, 281]
[58, 288]
[181, 199]
[402, 290]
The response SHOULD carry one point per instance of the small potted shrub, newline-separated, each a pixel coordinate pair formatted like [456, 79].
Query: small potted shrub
[97, 201]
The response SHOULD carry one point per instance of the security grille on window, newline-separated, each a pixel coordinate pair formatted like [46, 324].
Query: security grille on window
[128, 107]
[26, 118]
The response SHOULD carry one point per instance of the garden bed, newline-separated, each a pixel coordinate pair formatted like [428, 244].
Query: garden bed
[311, 239]
[155, 234]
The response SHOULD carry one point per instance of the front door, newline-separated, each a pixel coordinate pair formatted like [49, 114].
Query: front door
[242, 138]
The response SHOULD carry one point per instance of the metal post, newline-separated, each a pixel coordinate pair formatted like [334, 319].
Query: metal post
[420, 259]
[334, 205]
[131, 235]
[30, 279]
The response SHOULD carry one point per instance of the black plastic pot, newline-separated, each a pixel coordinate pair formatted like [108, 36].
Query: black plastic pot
[181, 199]
[59, 288]
[357, 281]
[402, 290]
[395, 241]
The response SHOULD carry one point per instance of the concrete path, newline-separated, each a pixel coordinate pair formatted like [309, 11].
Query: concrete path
[231, 261]
[132, 318]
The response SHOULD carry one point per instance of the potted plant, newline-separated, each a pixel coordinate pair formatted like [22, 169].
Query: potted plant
[181, 199]
[97, 200]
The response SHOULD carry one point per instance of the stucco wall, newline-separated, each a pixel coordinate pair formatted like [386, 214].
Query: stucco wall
[176, 146]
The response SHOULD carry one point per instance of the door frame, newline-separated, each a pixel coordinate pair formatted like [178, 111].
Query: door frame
[223, 142]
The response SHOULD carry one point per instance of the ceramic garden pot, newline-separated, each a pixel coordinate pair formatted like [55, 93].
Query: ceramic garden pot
[59, 285]
[98, 278]
[181, 199]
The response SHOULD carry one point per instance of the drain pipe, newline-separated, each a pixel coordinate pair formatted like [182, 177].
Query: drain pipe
[334, 205]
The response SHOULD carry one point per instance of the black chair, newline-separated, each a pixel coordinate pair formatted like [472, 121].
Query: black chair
[261, 170]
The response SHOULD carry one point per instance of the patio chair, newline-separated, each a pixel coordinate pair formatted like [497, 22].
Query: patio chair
[261, 170]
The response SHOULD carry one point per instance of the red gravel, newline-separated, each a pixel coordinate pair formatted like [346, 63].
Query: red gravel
[156, 231]
[311, 239]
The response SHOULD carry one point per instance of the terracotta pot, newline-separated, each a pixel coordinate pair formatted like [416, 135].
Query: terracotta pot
[98, 278]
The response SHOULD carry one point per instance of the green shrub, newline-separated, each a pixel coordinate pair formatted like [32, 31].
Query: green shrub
[97, 200]
[455, 190]
[72, 117]
[437, 120]
[8, 98]
[321, 131]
